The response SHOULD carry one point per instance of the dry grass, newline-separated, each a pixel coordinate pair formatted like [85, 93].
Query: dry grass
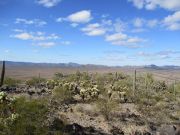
[27, 72]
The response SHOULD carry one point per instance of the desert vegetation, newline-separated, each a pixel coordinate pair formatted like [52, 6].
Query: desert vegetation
[92, 104]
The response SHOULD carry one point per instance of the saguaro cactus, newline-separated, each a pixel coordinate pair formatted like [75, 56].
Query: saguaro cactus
[2, 74]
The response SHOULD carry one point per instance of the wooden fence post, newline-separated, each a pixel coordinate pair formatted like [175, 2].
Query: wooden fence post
[134, 83]
[2, 74]
[174, 89]
[146, 85]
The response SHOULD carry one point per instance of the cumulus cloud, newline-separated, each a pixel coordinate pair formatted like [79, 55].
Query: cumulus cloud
[46, 44]
[138, 30]
[39, 38]
[159, 55]
[119, 25]
[138, 22]
[74, 25]
[106, 27]
[172, 22]
[66, 42]
[141, 22]
[60, 19]
[23, 36]
[48, 3]
[116, 37]
[94, 30]
[173, 5]
[103, 27]
[124, 40]
[83, 16]
[152, 23]
[36, 22]
[36, 36]
[17, 30]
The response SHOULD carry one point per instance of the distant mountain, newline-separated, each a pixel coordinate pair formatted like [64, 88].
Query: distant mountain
[61, 65]
[166, 67]
[89, 66]
[152, 67]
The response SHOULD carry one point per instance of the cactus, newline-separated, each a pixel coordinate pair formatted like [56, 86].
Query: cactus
[2, 74]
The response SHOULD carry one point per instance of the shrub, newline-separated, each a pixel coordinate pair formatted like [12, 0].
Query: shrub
[35, 81]
[11, 82]
[58, 76]
[106, 107]
[22, 117]
[62, 94]
[32, 116]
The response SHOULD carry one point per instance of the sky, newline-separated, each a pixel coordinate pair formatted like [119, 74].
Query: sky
[103, 32]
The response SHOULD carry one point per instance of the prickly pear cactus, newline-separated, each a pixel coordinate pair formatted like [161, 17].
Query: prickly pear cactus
[7, 113]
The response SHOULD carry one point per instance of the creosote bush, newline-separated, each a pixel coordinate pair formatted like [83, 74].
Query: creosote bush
[62, 94]
[26, 117]
[106, 107]
[11, 82]
[35, 81]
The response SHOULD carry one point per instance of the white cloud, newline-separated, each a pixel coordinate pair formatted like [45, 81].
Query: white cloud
[36, 22]
[152, 23]
[159, 55]
[60, 19]
[138, 3]
[138, 30]
[115, 37]
[83, 16]
[23, 36]
[48, 3]
[77, 18]
[74, 25]
[172, 22]
[144, 54]
[94, 30]
[124, 40]
[141, 22]
[35, 36]
[17, 30]
[107, 22]
[39, 38]
[39, 33]
[66, 42]
[46, 44]
[119, 25]
[138, 22]
[173, 5]
[135, 40]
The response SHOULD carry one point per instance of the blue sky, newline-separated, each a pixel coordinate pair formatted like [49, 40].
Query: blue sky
[107, 32]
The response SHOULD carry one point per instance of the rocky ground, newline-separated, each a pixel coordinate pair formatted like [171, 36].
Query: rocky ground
[83, 118]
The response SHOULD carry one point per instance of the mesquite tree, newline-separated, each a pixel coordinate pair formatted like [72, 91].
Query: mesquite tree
[2, 74]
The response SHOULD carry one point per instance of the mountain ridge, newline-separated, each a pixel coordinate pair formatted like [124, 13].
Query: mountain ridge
[76, 65]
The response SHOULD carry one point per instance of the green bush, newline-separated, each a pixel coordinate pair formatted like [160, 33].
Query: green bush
[11, 82]
[58, 76]
[62, 94]
[32, 117]
[106, 107]
[35, 81]
[23, 117]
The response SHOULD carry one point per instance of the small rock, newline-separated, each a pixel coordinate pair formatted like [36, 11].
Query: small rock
[116, 131]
